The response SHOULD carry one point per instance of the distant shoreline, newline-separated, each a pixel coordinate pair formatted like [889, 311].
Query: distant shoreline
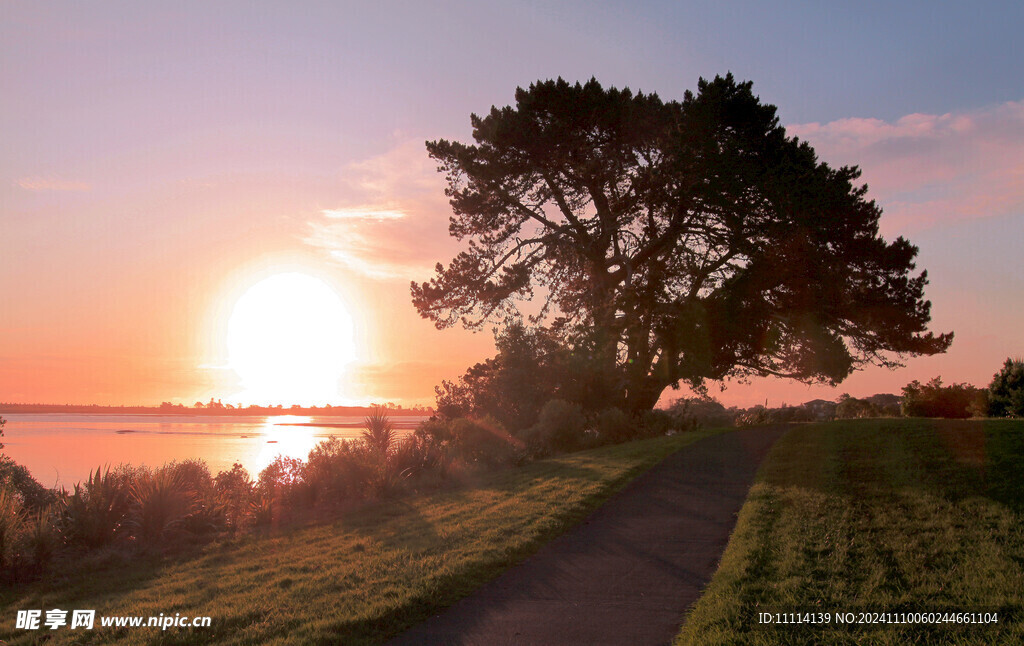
[326, 411]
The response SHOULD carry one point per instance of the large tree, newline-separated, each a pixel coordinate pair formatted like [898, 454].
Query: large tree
[675, 241]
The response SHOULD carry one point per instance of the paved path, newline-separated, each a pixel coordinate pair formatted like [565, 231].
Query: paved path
[628, 573]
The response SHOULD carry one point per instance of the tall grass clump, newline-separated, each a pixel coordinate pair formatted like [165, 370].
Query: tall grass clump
[97, 512]
[159, 503]
[379, 434]
[10, 526]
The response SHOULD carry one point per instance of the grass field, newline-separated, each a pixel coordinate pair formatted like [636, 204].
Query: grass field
[876, 515]
[359, 580]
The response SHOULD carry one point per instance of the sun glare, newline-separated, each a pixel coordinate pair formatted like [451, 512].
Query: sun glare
[289, 339]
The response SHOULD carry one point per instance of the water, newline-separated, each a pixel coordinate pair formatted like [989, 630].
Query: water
[62, 448]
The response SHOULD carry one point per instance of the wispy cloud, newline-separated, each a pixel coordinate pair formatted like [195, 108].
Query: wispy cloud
[392, 222]
[927, 170]
[51, 184]
[363, 213]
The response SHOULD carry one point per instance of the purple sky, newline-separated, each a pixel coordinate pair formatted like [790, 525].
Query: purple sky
[160, 158]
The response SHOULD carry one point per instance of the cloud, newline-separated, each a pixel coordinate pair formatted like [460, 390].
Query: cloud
[927, 170]
[363, 213]
[51, 184]
[391, 223]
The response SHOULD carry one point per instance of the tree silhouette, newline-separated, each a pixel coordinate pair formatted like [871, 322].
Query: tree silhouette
[680, 241]
[1006, 392]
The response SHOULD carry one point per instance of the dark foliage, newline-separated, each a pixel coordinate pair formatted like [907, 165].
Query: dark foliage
[681, 241]
[957, 401]
[1006, 392]
[560, 427]
[14, 477]
[704, 411]
[530, 368]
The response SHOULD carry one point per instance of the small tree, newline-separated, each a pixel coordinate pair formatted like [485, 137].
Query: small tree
[1006, 392]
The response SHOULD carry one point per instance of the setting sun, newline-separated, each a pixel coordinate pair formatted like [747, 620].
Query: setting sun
[289, 339]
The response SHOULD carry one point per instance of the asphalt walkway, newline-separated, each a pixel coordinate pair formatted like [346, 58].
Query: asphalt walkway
[629, 572]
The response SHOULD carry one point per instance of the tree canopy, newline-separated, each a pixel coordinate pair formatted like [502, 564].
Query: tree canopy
[672, 241]
[1006, 392]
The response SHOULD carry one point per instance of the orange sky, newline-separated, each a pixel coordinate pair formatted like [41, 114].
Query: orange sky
[158, 163]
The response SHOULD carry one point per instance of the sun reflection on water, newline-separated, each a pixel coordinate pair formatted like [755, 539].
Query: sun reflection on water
[280, 438]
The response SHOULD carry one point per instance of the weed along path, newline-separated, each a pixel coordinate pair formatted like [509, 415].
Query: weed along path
[626, 574]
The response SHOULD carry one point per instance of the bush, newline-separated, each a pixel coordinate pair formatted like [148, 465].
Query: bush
[16, 478]
[234, 492]
[415, 457]
[282, 486]
[41, 538]
[208, 509]
[756, 416]
[28, 539]
[338, 471]
[789, 414]
[704, 412]
[932, 399]
[380, 433]
[559, 428]
[160, 502]
[10, 526]
[1006, 392]
[97, 512]
[853, 408]
[482, 441]
[657, 422]
[614, 425]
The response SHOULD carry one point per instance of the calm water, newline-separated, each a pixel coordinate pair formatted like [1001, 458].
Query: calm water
[61, 448]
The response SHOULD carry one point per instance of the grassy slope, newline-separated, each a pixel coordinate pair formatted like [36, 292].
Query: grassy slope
[907, 515]
[359, 580]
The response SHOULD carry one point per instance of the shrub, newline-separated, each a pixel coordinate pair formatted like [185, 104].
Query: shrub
[704, 411]
[935, 400]
[282, 484]
[97, 511]
[1006, 392]
[789, 414]
[853, 408]
[755, 416]
[379, 434]
[482, 441]
[208, 509]
[559, 428]
[41, 538]
[614, 425]
[338, 471]
[234, 492]
[10, 526]
[435, 436]
[657, 422]
[415, 457]
[17, 478]
[160, 502]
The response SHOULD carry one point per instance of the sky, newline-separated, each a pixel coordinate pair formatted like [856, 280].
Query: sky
[159, 160]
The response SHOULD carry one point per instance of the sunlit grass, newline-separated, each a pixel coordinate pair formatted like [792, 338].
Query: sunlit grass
[359, 580]
[885, 515]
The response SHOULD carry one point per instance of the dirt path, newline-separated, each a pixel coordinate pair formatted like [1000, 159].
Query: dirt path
[628, 573]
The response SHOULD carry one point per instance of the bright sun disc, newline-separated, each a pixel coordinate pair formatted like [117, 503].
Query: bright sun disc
[289, 340]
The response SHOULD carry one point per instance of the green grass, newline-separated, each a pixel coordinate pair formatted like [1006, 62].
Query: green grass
[360, 580]
[881, 515]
